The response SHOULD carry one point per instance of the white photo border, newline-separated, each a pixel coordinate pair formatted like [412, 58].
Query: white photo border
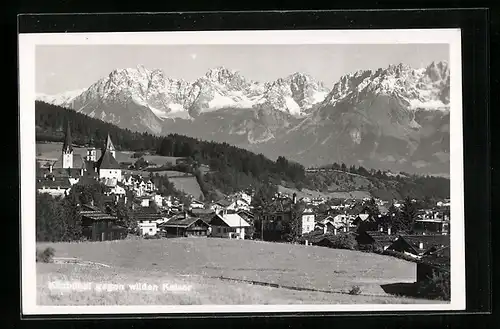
[27, 143]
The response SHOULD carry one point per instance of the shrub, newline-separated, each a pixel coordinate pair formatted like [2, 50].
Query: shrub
[149, 237]
[355, 290]
[45, 256]
[437, 287]
[343, 241]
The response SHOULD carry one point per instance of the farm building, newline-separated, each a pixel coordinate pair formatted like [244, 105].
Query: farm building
[185, 225]
[54, 187]
[417, 245]
[99, 226]
[375, 239]
[224, 225]
[434, 262]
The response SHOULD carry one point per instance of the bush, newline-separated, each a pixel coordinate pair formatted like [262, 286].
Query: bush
[355, 290]
[437, 287]
[149, 237]
[343, 241]
[45, 256]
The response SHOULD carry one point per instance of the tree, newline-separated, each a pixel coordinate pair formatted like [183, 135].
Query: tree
[72, 217]
[407, 216]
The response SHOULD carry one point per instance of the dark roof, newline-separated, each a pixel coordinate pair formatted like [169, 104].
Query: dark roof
[439, 257]
[248, 213]
[202, 211]
[381, 237]
[67, 144]
[107, 161]
[223, 203]
[429, 241]
[147, 213]
[182, 222]
[96, 215]
[62, 183]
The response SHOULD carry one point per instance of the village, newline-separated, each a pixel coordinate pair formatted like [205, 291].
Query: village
[317, 221]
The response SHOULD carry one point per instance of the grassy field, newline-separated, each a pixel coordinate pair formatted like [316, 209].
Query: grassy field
[199, 263]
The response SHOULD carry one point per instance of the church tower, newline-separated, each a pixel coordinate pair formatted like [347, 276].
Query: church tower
[109, 147]
[67, 150]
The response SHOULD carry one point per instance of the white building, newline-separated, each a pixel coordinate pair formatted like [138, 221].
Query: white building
[148, 227]
[226, 225]
[308, 217]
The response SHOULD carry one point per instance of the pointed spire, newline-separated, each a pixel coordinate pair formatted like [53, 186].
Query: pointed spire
[67, 147]
[109, 144]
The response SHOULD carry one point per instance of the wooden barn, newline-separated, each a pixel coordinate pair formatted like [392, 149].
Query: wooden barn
[99, 226]
[434, 262]
[417, 245]
[183, 226]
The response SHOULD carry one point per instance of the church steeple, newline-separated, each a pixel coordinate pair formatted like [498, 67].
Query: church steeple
[67, 149]
[67, 145]
[109, 147]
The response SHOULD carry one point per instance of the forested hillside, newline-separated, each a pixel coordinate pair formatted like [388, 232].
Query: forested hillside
[233, 169]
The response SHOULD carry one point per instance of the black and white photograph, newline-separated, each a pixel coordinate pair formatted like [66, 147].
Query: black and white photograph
[241, 171]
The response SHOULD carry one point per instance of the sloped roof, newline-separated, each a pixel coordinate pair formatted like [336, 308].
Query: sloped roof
[107, 161]
[439, 257]
[62, 183]
[234, 220]
[97, 215]
[184, 222]
[381, 237]
[429, 241]
[224, 203]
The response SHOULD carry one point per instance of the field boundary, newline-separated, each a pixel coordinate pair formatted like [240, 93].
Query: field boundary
[275, 285]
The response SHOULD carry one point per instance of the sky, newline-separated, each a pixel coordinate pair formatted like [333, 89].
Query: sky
[64, 68]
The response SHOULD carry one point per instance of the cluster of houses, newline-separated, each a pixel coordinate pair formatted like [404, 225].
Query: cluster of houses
[233, 217]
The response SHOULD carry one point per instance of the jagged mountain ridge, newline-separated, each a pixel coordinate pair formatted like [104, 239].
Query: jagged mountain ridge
[394, 118]
[142, 98]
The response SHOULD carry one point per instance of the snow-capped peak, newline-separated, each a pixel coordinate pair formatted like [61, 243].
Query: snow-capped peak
[424, 88]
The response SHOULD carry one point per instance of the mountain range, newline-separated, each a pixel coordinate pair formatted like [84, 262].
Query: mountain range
[392, 118]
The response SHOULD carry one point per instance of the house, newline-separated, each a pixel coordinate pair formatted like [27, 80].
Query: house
[185, 225]
[246, 215]
[238, 204]
[148, 227]
[365, 222]
[99, 226]
[145, 201]
[431, 263]
[117, 190]
[220, 205]
[375, 239]
[195, 204]
[307, 222]
[432, 226]
[54, 187]
[417, 245]
[226, 225]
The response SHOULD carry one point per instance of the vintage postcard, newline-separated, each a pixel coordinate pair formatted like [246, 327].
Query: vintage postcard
[241, 171]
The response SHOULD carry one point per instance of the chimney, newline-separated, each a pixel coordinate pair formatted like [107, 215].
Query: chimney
[50, 168]
[381, 229]
[421, 245]
[324, 229]
[345, 228]
[334, 231]
[388, 231]
[81, 172]
[294, 198]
